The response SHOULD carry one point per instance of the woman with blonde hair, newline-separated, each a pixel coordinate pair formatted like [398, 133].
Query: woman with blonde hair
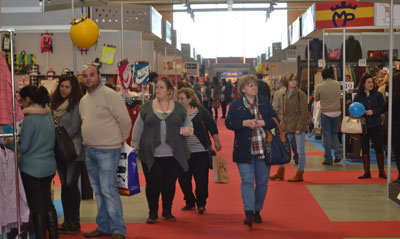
[249, 117]
[199, 145]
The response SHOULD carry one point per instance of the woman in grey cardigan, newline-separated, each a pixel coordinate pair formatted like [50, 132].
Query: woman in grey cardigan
[65, 106]
[162, 147]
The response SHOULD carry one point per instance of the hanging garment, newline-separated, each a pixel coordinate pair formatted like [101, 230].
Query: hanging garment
[6, 110]
[8, 201]
[316, 49]
[353, 50]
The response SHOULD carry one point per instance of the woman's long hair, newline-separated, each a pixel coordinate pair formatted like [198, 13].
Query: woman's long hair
[73, 98]
[361, 87]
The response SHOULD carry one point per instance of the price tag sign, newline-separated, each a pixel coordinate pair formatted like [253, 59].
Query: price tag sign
[348, 86]
[321, 63]
[362, 62]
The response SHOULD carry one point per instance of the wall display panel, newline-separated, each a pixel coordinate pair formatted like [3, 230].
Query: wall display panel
[308, 21]
[167, 31]
[368, 41]
[156, 23]
[382, 14]
[344, 14]
[169, 65]
[295, 31]
[186, 50]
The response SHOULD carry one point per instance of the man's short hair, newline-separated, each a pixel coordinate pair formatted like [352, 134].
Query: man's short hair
[327, 73]
[152, 76]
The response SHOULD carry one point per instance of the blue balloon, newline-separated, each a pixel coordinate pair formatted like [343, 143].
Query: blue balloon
[357, 109]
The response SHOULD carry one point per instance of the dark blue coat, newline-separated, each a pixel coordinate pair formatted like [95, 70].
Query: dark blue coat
[372, 102]
[234, 121]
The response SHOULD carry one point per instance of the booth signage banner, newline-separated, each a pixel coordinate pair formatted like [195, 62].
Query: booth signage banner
[344, 14]
[142, 72]
[382, 14]
[192, 68]
[169, 65]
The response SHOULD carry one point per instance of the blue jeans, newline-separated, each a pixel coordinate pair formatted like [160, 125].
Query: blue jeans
[258, 171]
[300, 147]
[329, 128]
[102, 169]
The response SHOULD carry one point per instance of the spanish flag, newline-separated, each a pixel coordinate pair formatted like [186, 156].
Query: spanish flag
[344, 14]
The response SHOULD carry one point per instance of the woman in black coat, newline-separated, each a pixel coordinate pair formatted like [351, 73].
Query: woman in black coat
[249, 117]
[374, 106]
[199, 144]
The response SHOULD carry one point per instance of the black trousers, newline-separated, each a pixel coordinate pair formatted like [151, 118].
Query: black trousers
[215, 113]
[198, 168]
[70, 195]
[223, 106]
[375, 135]
[38, 193]
[161, 178]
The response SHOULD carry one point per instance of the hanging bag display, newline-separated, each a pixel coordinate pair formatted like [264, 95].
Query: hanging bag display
[220, 171]
[127, 172]
[64, 149]
[277, 147]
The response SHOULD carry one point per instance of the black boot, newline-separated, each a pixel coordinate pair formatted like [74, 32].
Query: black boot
[39, 225]
[52, 224]
[381, 165]
[257, 217]
[249, 218]
[366, 162]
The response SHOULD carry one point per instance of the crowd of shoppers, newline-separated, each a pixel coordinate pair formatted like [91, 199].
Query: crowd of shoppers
[172, 139]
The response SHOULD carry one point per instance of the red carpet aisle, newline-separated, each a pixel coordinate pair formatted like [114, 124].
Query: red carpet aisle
[290, 211]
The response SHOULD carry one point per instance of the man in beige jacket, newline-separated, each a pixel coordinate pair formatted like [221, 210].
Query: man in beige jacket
[328, 92]
[105, 127]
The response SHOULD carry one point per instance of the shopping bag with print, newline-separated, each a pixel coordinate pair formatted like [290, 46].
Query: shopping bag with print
[220, 171]
[127, 172]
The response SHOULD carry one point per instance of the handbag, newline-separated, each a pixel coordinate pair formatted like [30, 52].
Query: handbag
[64, 148]
[127, 172]
[277, 147]
[220, 171]
[215, 104]
[352, 125]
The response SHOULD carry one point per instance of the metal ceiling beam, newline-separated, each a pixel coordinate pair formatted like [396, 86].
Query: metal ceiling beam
[200, 2]
[233, 9]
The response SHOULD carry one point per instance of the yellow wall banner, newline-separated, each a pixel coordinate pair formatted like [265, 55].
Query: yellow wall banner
[108, 55]
[344, 14]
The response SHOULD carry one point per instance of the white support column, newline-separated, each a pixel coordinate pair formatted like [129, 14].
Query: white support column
[323, 44]
[308, 70]
[74, 60]
[344, 93]
[122, 32]
[389, 146]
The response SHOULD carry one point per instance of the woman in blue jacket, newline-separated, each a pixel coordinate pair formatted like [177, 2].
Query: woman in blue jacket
[249, 116]
[374, 106]
[37, 163]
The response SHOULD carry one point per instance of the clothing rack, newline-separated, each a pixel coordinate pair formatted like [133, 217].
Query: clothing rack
[14, 134]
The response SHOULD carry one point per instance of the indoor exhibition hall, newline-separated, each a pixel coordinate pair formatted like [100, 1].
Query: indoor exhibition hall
[192, 119]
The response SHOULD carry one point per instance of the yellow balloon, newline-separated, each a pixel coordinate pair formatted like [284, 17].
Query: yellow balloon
[85, 33]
